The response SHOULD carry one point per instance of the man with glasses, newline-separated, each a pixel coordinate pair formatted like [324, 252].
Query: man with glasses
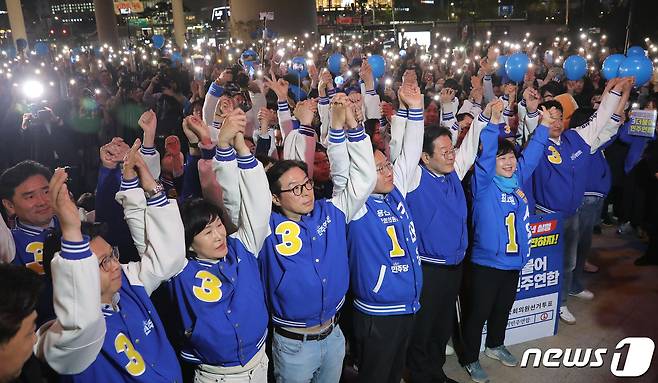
[107, 328]
[385, 272]
[438, 205]
[303, 261]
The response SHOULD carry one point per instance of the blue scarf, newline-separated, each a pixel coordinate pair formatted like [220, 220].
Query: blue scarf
[507, 185]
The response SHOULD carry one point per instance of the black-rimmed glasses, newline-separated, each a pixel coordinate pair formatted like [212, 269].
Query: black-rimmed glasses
[299, 189]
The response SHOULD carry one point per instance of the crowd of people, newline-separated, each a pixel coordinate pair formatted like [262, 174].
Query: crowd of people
[239, 216]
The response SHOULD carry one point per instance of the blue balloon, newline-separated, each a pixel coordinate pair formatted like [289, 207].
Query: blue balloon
[158, 41]
[298, 93]
[176, 57]
[41, 48]
[339, 80]
[378, 65]
[639, 66]
[298, 66]
[635, 51]
[334, 63]
[516, 66]
[21, 44]
[575, 67]
[611, 65]
[501, 60]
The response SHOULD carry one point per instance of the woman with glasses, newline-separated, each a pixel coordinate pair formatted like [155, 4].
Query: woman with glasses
[219, 295]
[303, 262]
[385, 273]
[501, 243]
[107, 329]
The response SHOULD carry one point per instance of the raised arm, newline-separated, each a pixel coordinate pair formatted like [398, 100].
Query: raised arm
[594, 127]
[215, 91]
[486, 71]
[255, 200]
[71, 342]
[155, 225]
[465, 155]
[7, 245]
[485, 164]
[324, 86]
[611, 125]
[509, 100]
[535, 149]
[362, 174]
[528, 114]
[300, 143]
[449, 106]
[370, 97]
[406, 165]
[148, 121]
[280, 87]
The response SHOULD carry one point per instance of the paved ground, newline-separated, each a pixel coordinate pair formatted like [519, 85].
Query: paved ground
[625, 305]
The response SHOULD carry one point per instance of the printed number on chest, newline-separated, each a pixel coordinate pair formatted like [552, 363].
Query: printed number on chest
[135, 365]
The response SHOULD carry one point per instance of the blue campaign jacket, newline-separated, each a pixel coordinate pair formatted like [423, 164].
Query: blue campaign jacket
[599, 177]
[438, 206]
[559, 180]
[304, 266]
[222, 308]
[136, 348]
[385, 273]
[501, 220]
[29, 253]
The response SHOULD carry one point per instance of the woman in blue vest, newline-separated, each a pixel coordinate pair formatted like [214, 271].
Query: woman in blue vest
[107, 329]
[501, 238]
[218, 294]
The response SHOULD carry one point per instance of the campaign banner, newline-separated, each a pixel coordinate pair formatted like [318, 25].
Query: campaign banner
[643, 123]
[535, 313]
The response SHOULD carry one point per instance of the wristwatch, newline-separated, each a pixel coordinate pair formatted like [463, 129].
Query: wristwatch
[155, 191]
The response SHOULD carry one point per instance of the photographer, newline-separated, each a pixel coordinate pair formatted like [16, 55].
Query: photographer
[233, 89]
[47, 139]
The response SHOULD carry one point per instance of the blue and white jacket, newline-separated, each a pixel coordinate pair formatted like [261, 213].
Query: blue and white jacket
[501, 218]
[438, 204]
[559, 181]
[304, 263]
[221, 303]
[124, 341]
[385, 273]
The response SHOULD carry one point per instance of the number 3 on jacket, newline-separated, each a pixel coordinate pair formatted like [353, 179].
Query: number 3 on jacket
[210, 287]
[136, 365]
[555, 157]
[290, 244]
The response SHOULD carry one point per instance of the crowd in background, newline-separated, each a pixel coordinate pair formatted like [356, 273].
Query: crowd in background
[233, 134]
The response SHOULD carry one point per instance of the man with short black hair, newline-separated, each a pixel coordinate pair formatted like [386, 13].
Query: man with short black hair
[19, 289]
[24, 194]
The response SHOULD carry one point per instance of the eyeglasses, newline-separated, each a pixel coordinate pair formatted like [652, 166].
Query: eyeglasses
[299, 189]
[106, 263]
[385, 166]
[448, 153]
